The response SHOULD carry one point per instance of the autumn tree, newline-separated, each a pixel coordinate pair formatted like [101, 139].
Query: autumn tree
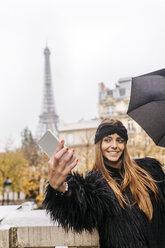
[85, 152]
[36, 175]
[30, 147]
[13, 165]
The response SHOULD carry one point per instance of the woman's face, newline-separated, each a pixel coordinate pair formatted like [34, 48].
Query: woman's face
[112, 147]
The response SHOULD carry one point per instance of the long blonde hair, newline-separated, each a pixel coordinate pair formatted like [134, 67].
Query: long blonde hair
[138, 180]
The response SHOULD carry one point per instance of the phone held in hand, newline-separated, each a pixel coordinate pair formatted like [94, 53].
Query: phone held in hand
[49, 143]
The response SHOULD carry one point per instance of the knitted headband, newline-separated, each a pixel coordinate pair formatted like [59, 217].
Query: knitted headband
[106, 129]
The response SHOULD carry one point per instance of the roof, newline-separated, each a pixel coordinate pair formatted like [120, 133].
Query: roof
[82, 124]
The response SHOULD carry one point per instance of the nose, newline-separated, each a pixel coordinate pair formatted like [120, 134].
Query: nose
[113, 144]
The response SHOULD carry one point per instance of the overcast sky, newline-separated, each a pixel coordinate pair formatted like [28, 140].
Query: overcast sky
[91, 41]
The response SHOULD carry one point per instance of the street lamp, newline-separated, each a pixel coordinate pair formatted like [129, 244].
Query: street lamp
[7, 187]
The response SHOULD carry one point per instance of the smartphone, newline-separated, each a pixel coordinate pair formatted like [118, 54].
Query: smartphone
[49, 143]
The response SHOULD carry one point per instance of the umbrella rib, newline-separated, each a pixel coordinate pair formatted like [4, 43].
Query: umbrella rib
[160, 138]
[157, 100]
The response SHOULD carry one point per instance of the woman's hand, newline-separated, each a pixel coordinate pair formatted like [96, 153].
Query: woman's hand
[59, 167]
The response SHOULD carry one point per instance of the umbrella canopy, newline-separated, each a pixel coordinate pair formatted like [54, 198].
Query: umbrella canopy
[147, 104]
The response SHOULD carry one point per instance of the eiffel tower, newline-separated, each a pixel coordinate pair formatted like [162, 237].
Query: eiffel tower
[48, 118]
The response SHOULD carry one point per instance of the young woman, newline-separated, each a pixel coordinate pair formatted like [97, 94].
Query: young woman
[122, 198]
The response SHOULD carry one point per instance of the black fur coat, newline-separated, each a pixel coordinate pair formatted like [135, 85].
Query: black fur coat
[93, 204]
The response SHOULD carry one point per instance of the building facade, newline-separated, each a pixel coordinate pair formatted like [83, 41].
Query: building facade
[80, 136]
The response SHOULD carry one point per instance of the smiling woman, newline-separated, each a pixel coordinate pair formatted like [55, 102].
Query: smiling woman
[112, 148]
[123, 198]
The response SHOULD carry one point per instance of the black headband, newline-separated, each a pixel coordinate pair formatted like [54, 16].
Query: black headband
[106, 129]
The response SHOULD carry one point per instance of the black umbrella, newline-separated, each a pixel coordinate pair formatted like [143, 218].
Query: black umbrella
[147, 104]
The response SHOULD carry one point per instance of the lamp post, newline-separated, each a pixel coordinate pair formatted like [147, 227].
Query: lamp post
[7, 188]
